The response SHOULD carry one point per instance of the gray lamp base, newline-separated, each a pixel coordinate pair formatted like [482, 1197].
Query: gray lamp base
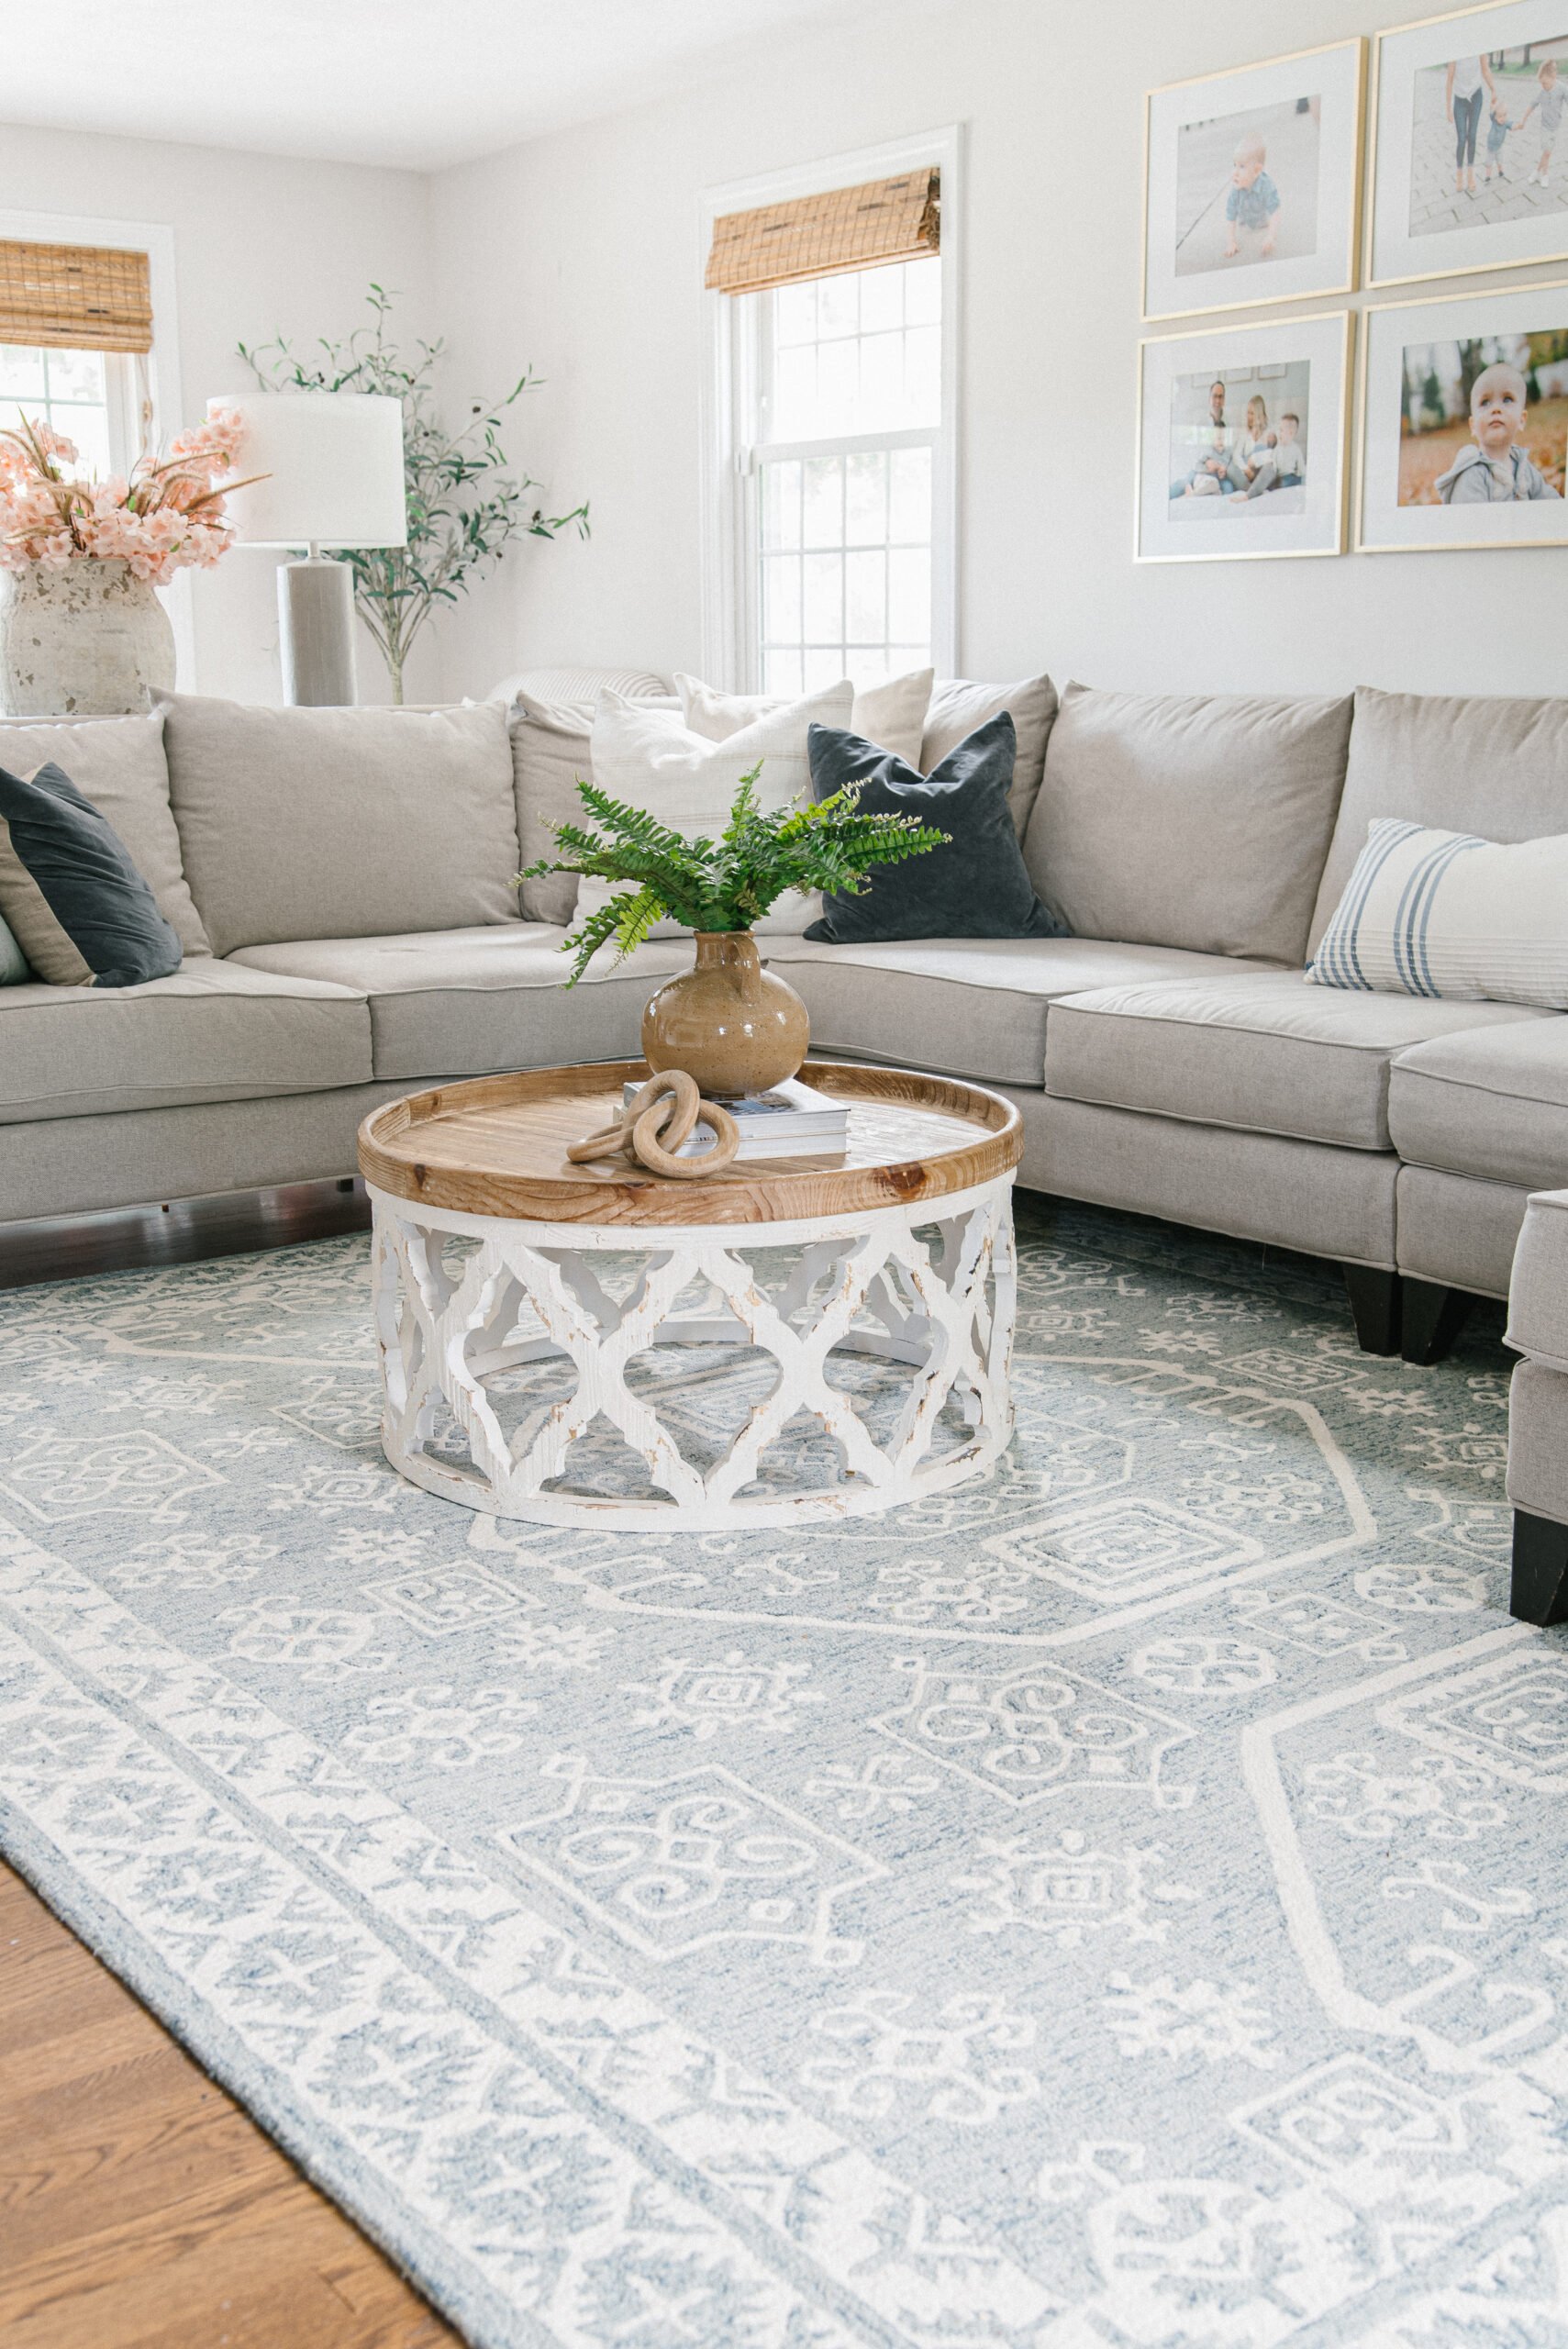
[316, 624]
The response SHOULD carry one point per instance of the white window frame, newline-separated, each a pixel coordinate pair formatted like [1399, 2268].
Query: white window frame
[163, 396]
[730, 550]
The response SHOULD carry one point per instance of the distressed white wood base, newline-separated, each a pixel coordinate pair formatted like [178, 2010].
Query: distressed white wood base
[865, 1284]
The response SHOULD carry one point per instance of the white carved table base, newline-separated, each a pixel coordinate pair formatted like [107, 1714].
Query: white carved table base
[865, 1283]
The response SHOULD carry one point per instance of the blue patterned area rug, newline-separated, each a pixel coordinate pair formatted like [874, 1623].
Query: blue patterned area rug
[1121, 1906]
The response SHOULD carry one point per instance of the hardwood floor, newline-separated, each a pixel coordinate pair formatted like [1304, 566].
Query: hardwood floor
[140, 2207]
[123, 1238]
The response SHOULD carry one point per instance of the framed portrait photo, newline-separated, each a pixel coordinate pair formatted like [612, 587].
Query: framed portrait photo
[1242, 441]
[1251, 184]
[1464, 422]
[1469, 142]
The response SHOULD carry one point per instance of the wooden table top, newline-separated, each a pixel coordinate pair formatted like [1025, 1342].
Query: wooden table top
[496, 1145]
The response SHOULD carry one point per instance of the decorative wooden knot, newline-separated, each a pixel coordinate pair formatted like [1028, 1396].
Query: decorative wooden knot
[658, 1119]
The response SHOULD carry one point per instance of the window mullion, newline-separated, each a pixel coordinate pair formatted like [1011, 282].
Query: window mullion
[834, 533]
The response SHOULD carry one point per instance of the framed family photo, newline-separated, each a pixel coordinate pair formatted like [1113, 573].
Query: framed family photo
[1251, 184]
[1242, 441]
[1469, 148]
[1464, 422]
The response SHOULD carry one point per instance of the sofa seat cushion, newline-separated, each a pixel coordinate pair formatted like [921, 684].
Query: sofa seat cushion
[1262, 1052]
[211, 1031]
[1484, 1103]
[471, 1002]
[968, 1006]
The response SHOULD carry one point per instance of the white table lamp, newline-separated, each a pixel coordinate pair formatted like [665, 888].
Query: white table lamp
[333, 462]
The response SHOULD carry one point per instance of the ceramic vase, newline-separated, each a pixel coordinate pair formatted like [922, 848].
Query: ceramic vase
[734, 1026]
[83, 639]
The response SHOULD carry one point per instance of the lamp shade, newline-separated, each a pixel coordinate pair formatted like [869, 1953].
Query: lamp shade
[333, 462]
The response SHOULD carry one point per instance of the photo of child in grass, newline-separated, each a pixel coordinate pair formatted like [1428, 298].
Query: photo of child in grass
[1246, 187]
[1238, 441]
[1484, 421]
[1484, 138]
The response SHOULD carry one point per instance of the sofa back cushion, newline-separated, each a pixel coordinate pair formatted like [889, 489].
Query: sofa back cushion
[958, 705]
[1198, 821]
[1460, 762]
[551, 752]
[118, 765]
[341, 823]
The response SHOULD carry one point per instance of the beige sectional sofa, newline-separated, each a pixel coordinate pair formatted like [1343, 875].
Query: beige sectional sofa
[349, 877]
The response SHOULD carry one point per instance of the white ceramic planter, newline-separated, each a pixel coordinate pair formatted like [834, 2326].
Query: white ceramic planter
[87, 640]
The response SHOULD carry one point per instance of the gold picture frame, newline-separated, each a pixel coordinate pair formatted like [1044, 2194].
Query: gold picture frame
[1355, 52]
[1324, 325]
[1370, 277]
[1361, 543]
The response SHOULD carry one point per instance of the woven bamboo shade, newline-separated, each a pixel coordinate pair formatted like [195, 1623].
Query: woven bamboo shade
[819, 236]
[75, 297]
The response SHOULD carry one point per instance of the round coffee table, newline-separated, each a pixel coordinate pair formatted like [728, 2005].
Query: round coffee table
[525, 1305]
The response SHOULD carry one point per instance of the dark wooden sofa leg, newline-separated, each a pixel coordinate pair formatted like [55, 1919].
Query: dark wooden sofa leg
[1539, 1593]
[1374, 1304]
[1430, 1319]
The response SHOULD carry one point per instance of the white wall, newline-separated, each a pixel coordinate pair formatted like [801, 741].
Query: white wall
[581, 252]
[262, 243]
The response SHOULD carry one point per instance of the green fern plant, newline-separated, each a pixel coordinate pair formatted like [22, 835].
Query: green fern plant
[722, 885]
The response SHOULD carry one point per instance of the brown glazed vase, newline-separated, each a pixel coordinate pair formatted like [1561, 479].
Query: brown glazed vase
[733, 1026]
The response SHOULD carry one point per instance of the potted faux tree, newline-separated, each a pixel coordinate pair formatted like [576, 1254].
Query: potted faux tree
[465, 505]
[733, 1025]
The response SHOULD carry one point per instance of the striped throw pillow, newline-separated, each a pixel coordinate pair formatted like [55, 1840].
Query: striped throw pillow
[1446, 914]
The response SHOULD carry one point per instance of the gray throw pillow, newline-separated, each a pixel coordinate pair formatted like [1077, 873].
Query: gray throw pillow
[80, 910]
[975, 885]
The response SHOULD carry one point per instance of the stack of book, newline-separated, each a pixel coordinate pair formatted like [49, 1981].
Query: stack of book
[793, 1121]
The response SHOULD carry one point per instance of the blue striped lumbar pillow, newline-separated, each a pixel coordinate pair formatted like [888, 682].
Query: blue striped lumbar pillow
[1445, 914]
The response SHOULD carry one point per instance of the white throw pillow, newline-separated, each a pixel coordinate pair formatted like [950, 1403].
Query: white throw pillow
[1444, 914]
[650, 759]
[892, 716]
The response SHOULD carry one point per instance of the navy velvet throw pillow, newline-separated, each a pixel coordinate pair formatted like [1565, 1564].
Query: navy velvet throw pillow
[82, 913]
[974, 887]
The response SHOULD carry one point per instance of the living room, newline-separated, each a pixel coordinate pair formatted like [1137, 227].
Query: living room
[784, 1176]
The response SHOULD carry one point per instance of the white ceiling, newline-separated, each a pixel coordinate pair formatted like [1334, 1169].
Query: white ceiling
[420, 84]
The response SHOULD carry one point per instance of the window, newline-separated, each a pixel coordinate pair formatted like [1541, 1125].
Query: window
[90, 396]
[849, 413]
[832, 477]
[75, 343]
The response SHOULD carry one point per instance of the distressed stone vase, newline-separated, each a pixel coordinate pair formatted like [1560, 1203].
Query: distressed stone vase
[735, 1027]
[86, 639]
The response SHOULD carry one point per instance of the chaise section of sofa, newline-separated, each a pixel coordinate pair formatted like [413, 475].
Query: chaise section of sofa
[1480, 1120]
[1538, 1411]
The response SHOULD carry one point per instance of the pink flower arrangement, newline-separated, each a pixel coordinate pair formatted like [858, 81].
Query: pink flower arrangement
[165, 516]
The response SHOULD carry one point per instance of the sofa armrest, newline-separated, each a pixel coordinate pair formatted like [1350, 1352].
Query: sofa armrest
[1538, 1291]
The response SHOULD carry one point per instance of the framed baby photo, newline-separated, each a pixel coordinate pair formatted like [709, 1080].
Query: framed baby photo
[1469, 142]
[1251, 184]
[1242, 441]
[1464, 421]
